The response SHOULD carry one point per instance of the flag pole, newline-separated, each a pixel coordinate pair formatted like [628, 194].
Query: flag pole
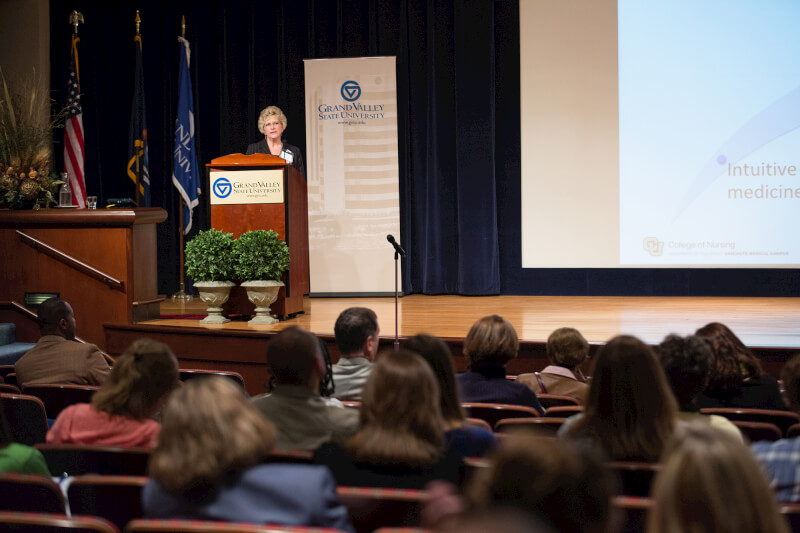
[181, 295]
[138, 172]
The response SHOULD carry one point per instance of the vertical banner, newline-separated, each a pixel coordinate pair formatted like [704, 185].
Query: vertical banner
[353, 174]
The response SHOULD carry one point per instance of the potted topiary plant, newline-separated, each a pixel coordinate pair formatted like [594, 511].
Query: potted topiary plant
[209, 262]
[260, 258]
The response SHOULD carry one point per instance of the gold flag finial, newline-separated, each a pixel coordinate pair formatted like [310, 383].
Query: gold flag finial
[75, 18]
[138, 21]
[183, 26]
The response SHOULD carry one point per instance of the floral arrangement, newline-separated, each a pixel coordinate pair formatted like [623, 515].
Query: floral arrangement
[26, 134]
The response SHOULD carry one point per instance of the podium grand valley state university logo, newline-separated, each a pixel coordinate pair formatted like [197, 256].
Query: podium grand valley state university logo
[351, 91]
[222, 187]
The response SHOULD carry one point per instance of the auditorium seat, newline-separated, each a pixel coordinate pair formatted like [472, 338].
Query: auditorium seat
[783, 419]
[793, 431]
[635, 478]
[478, 422]
[80, 459]
[556, 400]
[542, 427]
[791, 511]
[9, 389]
[563, 411]
[200, 526]
[372, 508]
[118, 499]
[352, 404]
[30, 494]
[26, 418]
[492, 412]
[634, 512]
[53, 523]
[57, 397]
[5, 370]
[186, 374]
[758, 431]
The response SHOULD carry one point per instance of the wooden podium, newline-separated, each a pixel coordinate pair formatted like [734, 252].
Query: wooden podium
[288, 217]
[103, 262]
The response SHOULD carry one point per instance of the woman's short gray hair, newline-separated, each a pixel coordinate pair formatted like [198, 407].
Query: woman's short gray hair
[271, 111]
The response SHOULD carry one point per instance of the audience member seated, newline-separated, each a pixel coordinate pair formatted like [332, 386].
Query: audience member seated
[401, 440]
[356, 332]
[566, 350]
[630, 411]
[17, 458]
[781, 459]
[709, 481]
[686, 362]
[490, 345]
[122, 410]
[57, 357]
[208, 465]
[736, 379]
[561, 485]
[467, 440]
[295, 406]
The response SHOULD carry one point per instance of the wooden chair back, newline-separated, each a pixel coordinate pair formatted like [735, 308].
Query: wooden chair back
[541, 427]
[478, 422]
[53, 523]
[26, 418]
[564, 411]
[791, 511]
[373, 508]
[57, 397]
[492, 412]
[9, 388]
[783, 419]
[30, 494]
[632, 512]
[200, 526]
[758, 431]
[118, 499]
[793, 431]
[5, 370]
[556, 400]
[81, 459]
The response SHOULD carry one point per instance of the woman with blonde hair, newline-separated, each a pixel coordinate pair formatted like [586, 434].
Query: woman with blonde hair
[401, 440]
[490, 345]
[736, 378]
[122, 411]
[271, 123]
[630, 411]
[209, 465]
[711, 483]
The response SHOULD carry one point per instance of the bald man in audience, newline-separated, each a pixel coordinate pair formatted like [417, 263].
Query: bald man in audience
[295, 407]
[781, 459]
[356, 332]
[58, 357]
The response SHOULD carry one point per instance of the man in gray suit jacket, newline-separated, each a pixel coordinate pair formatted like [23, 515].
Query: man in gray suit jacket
[356, 333]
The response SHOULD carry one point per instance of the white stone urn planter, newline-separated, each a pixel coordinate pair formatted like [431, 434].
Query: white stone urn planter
[214, 294]
[262, 293]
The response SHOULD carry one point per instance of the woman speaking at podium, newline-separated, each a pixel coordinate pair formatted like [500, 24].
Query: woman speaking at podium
[272, 122]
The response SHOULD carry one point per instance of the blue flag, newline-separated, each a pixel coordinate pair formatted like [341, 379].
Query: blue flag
[185, 172]
[138, 158]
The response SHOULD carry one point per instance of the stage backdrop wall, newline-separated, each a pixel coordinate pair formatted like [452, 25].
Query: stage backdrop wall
[352, 171]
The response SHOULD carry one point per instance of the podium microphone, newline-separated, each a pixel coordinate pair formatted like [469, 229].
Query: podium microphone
[398, 251]
[397, 247]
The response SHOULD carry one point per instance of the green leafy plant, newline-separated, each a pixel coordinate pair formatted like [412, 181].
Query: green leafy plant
[260, 255]
[209, 256]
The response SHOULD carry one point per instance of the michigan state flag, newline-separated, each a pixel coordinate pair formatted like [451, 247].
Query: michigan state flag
[185, 173]
[138, 160]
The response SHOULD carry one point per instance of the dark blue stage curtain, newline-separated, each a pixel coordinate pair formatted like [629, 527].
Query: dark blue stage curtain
[458, 120]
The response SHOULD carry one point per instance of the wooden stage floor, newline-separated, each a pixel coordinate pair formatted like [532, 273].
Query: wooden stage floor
[759, 322]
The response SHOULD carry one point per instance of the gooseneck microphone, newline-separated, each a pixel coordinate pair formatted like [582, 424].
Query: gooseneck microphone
[397, 247]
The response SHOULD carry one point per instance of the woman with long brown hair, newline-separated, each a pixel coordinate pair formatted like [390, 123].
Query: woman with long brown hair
[736, 378]
[209, 465]
[123, 409]
[401, 440]
[630, 411]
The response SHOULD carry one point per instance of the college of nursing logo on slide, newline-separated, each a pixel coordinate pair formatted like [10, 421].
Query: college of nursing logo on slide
[222, 187]
[653, 246]
[351, 91]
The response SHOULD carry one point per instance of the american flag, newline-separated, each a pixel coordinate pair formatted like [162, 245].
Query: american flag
[73, 132]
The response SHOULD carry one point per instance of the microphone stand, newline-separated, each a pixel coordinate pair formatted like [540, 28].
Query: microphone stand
[396, 298]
